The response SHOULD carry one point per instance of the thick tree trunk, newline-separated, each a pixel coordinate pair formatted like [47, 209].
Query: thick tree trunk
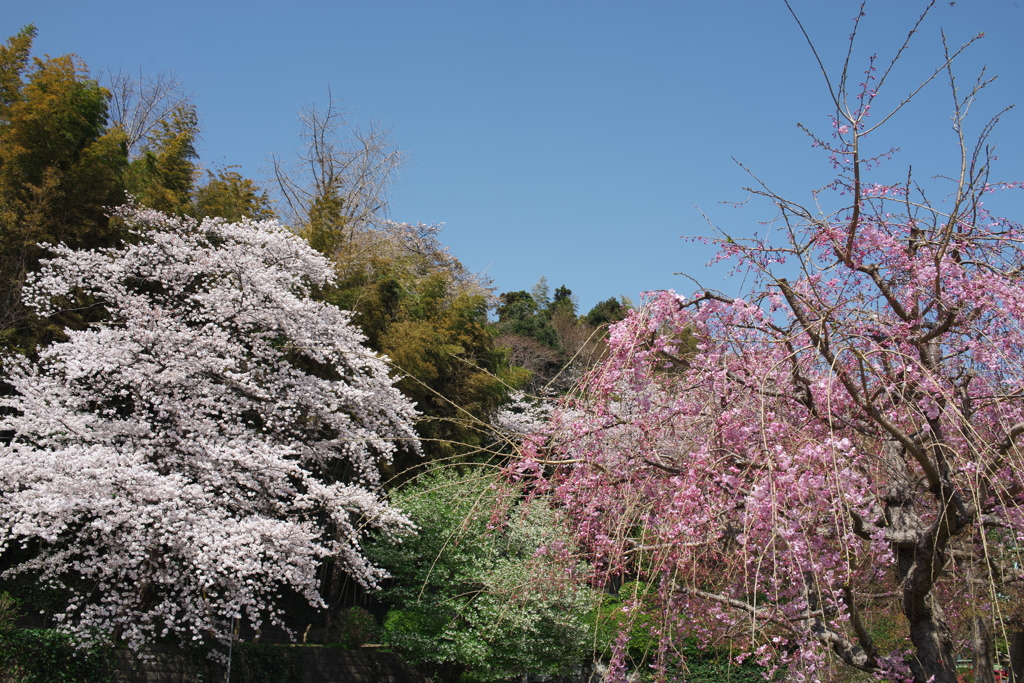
[918, 557]
[935, 661]
[1017, 653]
[982, 648]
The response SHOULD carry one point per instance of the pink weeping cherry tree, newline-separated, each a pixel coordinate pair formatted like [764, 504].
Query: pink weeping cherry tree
[206, 446]
[827, 471]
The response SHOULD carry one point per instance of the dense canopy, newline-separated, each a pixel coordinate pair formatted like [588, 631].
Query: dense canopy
[207, 444]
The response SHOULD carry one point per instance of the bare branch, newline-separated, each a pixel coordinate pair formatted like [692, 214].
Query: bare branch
[353, 165]
[139, 102]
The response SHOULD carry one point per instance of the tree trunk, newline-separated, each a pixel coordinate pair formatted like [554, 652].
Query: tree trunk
[1017, 653]
[918, 556]
[935, 661]
[982, 647]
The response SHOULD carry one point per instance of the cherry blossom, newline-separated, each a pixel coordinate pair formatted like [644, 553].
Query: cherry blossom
[208, 444]
[834, 455]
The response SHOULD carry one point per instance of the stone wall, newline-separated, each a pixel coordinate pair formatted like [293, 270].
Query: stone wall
[318, 665]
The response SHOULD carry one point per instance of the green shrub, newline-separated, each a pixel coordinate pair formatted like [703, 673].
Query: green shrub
[485, 588]
[358, 627]
[8, 611]
[47, 656]
[631, 611]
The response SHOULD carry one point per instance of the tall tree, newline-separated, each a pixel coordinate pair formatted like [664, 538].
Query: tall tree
[520, 313]
[228, 194]
[338, 183]
[606, 312]
[843, 451]
[59, 168]
[545, 336]
[208, 445]
[163, 176]
[562, 302]
[14, 58]
[421, 307]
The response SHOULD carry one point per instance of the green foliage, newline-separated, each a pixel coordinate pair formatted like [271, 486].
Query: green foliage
[163, 177]
[628, 611]
[31, 595]
[357, 627]
[326, 223]
[606, 312]
[716, 665]
[14, 58]
[617, 614]
[452, 370]
[229, 195]
[486, 586]
[8, 610]
[59, 168]
[541, 293]
[46, 656]
[417, 304]
[520, 314]
[545, 335]
[562, 303]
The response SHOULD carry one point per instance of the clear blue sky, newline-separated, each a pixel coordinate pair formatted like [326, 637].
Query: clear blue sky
[569, 139]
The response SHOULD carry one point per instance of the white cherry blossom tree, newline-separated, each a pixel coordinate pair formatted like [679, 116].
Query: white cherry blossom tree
[204, 448]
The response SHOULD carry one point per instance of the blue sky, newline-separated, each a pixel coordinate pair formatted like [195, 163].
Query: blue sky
[571, 139]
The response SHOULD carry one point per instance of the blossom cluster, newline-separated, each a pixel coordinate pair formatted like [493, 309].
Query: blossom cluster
[206, 445]
[843, 439]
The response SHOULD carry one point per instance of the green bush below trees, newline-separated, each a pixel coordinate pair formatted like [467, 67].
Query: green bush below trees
[47, 656]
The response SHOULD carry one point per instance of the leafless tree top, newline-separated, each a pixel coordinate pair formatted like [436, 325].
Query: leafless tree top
[356, 165]
[139, 102]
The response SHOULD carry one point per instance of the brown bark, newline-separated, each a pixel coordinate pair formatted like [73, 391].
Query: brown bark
[982, 647]
[920, 556]
[1017, 654]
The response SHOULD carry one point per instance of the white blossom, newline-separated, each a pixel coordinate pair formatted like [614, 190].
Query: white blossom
[523, 416]
[208, 444]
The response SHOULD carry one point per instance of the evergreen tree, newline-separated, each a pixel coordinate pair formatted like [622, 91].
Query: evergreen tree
[519, 313]
[562, 302]
[606, 312]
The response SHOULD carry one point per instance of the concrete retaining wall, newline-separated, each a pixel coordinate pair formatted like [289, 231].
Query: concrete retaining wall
[318, 665]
